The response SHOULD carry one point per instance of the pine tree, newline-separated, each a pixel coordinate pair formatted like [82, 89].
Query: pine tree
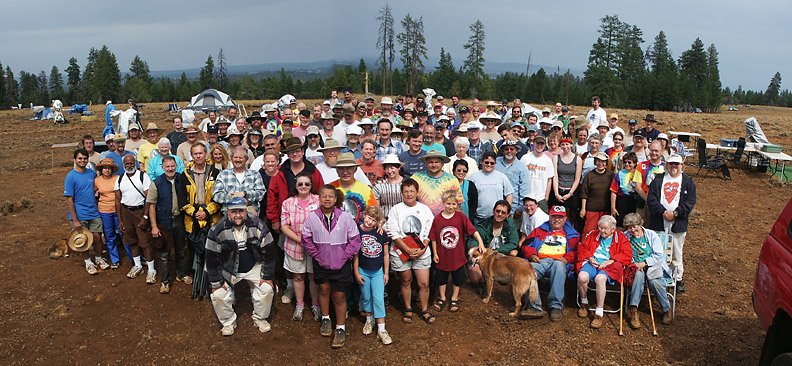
[663, 81]
[693, 71]
[88, 74]
[474, 63]
[414, 49]
[3, 89]
[43, 88]
[630, 64]
[206, 78]
[222, 74]
[107, 77]
[715, 95]
[385, 44]
[73, 80]
[600, 79]
[12, 87]
[138, 82]
[771, 94]
[444, 75]
[56, 83]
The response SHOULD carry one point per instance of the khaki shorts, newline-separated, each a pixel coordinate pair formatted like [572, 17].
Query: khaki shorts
[93, 225]
[298, 266]
[421, 263]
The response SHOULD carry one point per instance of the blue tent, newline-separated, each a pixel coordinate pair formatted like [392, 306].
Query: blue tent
[78, 108]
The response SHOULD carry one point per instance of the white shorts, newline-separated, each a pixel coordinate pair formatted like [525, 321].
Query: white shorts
[421, 263]
[298, 266]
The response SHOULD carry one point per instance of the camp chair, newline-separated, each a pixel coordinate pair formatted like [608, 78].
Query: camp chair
[609, 289]
[680, 149]
[710, 162]
[668, 250]
[174, 109]
[735, 157]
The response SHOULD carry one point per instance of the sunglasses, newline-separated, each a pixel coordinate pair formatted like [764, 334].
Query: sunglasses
[462, 170]
[303, 184]
[488, 163]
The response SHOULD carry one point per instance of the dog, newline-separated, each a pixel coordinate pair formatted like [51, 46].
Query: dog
[506, 269]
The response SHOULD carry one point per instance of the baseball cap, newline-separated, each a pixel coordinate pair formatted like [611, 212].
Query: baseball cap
[632, 121]
[674, 158]
[614, 115]
[134, 126]
[601, 156]
[438, 104]
[564, 109]
[533, 128]
[554, 211]
[305, 113]
[475, 125]
[312, 130]
[368, 98]
[546, 110]
[236, 203]
[639, 133]
[540, 139]
[109, 137]
[212, 129]
[464, 109]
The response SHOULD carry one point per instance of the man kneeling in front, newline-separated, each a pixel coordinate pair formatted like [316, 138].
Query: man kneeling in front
[240, 247]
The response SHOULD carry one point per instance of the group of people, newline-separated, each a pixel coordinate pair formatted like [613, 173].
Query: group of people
[341, 197]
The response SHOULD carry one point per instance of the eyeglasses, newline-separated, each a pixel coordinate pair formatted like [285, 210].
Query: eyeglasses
[303, 184]
[617, 139]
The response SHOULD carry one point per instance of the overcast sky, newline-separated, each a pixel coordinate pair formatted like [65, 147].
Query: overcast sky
[751, 37]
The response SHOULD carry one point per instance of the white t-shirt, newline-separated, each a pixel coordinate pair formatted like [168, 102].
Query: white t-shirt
[540, 169]
[595, 117]
[205, 123]
[669, 196]
[403, 219]
[532, 222]
[330, 175]
[338, 134]
[129, 193]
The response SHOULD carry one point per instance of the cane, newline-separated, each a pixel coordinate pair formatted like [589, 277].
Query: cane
[621, 306]
[651, 312]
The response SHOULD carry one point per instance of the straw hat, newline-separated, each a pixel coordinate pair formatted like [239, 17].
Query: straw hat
[151, 126]
[435, 154]
[330, 143]
[107, 162]
[80, 239]
[346, 160]
[392, 159]
[491, 115]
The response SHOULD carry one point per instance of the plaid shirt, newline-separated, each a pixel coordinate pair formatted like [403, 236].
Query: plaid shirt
[227, 183]
[475, 151]
[294, 216]
[395, 147]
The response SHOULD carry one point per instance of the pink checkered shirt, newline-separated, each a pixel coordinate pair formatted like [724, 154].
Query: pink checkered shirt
[294, 216]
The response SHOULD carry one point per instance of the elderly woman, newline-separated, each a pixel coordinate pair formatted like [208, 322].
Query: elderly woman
[663, 138]
[462, 144]
[155, 163]
[648, 256]
[602, 256]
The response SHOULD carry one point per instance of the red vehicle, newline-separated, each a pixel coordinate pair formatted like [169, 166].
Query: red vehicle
[772, 293]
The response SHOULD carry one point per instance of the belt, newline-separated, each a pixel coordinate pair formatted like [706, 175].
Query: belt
[134, 208]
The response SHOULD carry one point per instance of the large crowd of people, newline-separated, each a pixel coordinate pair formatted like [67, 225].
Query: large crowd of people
[327, 203]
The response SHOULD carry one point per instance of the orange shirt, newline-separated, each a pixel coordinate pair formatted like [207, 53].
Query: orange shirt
[106, 193]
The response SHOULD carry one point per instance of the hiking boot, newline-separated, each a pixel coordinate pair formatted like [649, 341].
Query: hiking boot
[164, 288]
[583, 311]
[532, 313]
[317, 312]
[91, 268]
[135, 271]
[555, 314]
[298, 313]
[228, 330]
[339, 338]
[596, 323]
[288, 294]
[369, 326]
[102, 263]
[115, 266]
[635, 323]
[680, 287]
[151, 277]
[384, 337]
[326, 329]
[263, 325]
[667, 318]
[186, 279]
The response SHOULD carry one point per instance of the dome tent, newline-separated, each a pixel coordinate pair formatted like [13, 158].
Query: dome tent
[211, 99]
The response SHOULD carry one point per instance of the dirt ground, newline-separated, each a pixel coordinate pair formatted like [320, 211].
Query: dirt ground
[54, 313]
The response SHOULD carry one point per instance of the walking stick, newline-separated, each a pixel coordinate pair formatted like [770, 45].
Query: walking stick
[621, 306]
[651, 312]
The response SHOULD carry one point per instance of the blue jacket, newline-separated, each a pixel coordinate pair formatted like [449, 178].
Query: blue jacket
[164, 204]
[520, 178]
[687, 200]
[536, 240]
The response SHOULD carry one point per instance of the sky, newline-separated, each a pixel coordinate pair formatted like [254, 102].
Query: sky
[749, 36]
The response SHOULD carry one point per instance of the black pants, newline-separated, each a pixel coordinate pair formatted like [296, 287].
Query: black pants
[457, 277]
[625, 205]
[179, 245]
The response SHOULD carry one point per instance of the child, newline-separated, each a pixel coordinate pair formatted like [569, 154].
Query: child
[371, 272]
[450, 228]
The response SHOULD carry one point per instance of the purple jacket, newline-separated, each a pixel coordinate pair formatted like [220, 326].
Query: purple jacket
[331, 246]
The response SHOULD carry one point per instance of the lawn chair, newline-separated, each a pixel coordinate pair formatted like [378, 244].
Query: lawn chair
[710, 162]
[736, 157]
[173, 109]
[609, 289]
[668, 250]
[680, 149]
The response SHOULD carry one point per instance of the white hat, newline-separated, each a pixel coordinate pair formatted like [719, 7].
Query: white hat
[366, 121]
[475, 125]
[603, 124]
[392, 159]
[662, 136]
[354, 130]
[108, 102]
[386, 100]
[558, 124]
[675, 159]
[546, 120]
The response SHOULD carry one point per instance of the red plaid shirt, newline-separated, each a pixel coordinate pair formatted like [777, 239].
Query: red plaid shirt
[294, 216]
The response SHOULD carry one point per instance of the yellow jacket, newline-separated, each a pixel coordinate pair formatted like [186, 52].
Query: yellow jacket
[189, 205]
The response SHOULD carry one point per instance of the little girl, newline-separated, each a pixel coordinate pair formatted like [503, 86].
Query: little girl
[450, 228]
[371, 272]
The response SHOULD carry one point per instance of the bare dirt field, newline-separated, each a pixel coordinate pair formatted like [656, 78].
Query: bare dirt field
[54, 313]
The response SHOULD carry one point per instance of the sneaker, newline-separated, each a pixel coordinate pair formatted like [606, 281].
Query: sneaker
[228, 330]
[667, 318]
[298, 313]
[164, 288]
[384, 337]
[287, 295]
[263, 325]
[583, 311]
[135, 271]
[680, 287]
[369, 326]
[325, 329]
[635, 322]
[532, 313]
[115, 266]
[596, 323]
[102, 263]
[555, 314]
[91, 268]
[339, 338]
[151, 277]
[317, 312]
[186, 279]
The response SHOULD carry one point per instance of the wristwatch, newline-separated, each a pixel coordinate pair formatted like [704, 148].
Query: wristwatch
[145, 217]
[676, 213]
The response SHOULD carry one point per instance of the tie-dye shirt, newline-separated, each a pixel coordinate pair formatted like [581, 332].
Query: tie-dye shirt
[648, 172]
[430, 189]
[624, 182]
[356, 199]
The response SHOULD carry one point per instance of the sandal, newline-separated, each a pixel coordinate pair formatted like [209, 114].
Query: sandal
[454, 306]
[439, 305]
[428, 317]
[407, 315]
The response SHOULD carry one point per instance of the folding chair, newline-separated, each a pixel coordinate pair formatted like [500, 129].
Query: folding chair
[710, 162]
[668, 250]
[609, 289]
[174, 109]
[735, 157]
[680, 149]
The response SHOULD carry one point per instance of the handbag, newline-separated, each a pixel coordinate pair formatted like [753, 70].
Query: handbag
[654, 272]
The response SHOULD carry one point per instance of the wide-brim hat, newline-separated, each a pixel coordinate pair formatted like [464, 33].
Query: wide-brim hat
[650, 117]
[151, 126]
[435, 154]
[255, 115]
[119, 137]
[80, 239]
[492, 104]
[191, 129]
[366, 122]
[462, 128]
[546, 120]
[386, 100]
[107, 162]
[581, 123]
[330, 143]
[346, 160]
[291, 144]
[392, 159]
[490, 115]
[328, 115]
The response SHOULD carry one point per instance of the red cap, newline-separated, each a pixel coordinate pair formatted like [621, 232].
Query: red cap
[558, 211]
[438, 104]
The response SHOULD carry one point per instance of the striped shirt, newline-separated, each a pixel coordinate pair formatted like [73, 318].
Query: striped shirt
[387, 195]
[395, 147]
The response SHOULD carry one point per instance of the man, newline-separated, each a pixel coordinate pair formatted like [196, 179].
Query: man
[602, 130]
[167, 222]
[497, 233]
[421, 120]
[348, 114]
[455, 103]
[437, 111]
[613, 127]
[433, 182]
[131, 190]
[596, 114]
[368, 162]
[357, 196]
[195, 200]
[183, 151]
[387, 112]
[334, 99]
[110, 145]
[507, 135]
[594, 147]
[88, 144]
[120, 153]
[239, 182]
[532, 130]
[326, 105]
[516, 171]
[312, 145]
[440, 136]
[134, 142]
[429, 143]
[632, 126]
[531, 219]
[672, 196]
[385, 144]
[638, 145]
[559, 110]
[581, 145]
[353, 141]
[464, 116]
[565, 117]
[326, 168]
[232, 114]
[329, 130]
[544, 126]
[82, 209]
[177, 136]
[240, 247]
[546, 113]
[144, 152]
[369, 101]
[316, 114]
[223, 126]
[304, 120]
[212, 135]
[551, 249]
[477, 146]
[649, 131]
[412, 157]
[541, 171]
[649, 170]
[210, 120]
[348, 96]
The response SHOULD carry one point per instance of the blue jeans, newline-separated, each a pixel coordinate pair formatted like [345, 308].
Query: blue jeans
[657, 286]
[373, 292]
[557, 272]
[113, 236]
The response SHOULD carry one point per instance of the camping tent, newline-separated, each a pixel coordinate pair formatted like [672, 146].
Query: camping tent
[211, 99]
[753, 132]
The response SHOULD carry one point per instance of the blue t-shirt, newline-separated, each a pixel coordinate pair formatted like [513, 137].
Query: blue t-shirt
[80, 186]
[603, 250]
[412, 163]
[491, 188]
[119, 160]
[372, 249]
[435, 146]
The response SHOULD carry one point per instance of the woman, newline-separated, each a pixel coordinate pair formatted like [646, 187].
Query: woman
[254, 143]
[602, 256]
[663, 138]
[294, 210]
[410, 222]
[155, 163]
[104, 186]
[268, 170]
[595, 198]
[623, 195]
[388, 192]
[468, 188]
[492, 187]
[368, 129]
[240, 124]
[553, 145]
[568, 167]
[462, 144]
[649, 258]
[219, 157]
[613, 152]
